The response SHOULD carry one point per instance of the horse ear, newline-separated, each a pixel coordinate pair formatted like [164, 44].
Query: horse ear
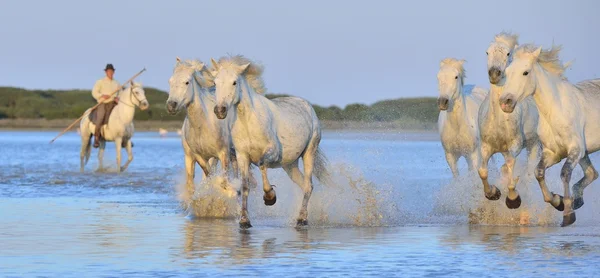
[214, 63]
[444, 62]
[461, 62]
[243, 68]
[200, 66]
[131, 83]
[178, 59]
[537, 52]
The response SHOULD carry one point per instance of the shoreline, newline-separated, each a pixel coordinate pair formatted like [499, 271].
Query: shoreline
[173, 126]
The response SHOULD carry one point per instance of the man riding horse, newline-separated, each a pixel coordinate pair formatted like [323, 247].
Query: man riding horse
[103, 93]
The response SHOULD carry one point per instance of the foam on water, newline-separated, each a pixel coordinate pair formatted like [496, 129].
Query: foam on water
[354, 200]
[349, 200]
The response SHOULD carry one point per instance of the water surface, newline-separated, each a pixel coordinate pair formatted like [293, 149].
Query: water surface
[393, 211]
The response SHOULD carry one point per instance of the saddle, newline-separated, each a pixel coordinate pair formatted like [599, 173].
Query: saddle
[108, 107]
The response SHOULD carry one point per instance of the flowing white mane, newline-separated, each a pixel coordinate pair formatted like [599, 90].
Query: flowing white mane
[507, 38]
[548, 59]
[188, 67]
[456, 64]
[253, 73]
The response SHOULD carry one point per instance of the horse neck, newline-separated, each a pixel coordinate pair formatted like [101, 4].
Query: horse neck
[494, 99]
[250, 101]
[547, 94]
[458, 113]
[199, 110]
[125, 112]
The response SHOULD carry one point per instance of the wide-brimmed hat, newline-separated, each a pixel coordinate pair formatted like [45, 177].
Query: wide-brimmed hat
[109, 67]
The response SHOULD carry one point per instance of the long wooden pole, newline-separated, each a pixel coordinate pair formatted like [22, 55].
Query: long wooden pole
[94, 107]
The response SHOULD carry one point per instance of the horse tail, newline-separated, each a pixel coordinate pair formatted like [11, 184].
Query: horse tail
[88, 149]
[321, 168]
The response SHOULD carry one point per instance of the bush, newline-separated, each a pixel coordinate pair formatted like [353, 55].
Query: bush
[71, 104]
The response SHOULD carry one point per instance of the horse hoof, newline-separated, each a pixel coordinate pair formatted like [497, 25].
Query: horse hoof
[270, 202]
[568, 219]
[273, 200]
[245, 224]
[577, 203]
[513, 204]
[496, 195]
[302, 223]
[561, 205]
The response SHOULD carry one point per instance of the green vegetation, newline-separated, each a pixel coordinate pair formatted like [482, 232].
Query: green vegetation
[16, 103]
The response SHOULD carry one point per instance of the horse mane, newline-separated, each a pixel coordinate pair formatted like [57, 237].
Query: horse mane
[253, 72]
[548, 58]
[456, 64]
[189, 66]
[509, 39]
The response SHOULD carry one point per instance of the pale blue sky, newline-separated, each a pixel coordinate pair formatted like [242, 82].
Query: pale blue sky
[329, 52]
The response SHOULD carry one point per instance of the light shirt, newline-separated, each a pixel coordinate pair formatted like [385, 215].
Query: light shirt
[105, 86]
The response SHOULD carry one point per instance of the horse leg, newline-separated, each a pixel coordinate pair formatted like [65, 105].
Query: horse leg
[452, 159]
[513, 200]
[473, 160]
[128, 146]
[85, 149]
[270, 197]
[118, 147]
[565, 175]
[204, 165]
[533, 150]
[308, 158]
[590, 175]
[224, 158]
[101, 155]
[490, 191]
[190, 170]
[244, 164]
[297, 177]
[548, 159]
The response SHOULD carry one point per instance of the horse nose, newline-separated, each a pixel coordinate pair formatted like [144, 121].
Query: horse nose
[221, 112]
[507, 103]
[442, 103]
[494, 75]
[171, 106]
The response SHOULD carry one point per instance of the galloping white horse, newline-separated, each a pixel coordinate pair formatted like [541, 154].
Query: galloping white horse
[204, 137]
[501, 132]
[457, 123]
[119, 128]
[569, 123]
[268, 133]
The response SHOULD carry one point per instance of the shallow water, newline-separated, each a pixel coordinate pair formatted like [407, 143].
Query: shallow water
[393, 211]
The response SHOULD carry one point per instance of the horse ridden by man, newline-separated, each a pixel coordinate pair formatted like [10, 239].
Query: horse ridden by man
[105, 125]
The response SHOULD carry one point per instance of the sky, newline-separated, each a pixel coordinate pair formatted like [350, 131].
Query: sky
[329, 52]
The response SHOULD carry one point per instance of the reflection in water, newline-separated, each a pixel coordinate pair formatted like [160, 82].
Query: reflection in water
[549, 241]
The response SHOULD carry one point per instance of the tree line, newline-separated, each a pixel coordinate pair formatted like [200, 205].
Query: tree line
[17, 103]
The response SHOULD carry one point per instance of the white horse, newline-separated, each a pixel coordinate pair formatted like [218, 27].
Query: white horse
[268, 133]
[119, 128]
[204, 137]
[457, 122]
[501, 132]
[569, 120]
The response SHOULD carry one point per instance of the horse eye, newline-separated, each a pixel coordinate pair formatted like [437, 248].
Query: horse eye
[187, 83]
[486, 53]
[456, 77]
[234, 83]
[526, 73]
[508, 54]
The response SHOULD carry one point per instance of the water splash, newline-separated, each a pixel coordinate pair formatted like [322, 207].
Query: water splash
[351, 200]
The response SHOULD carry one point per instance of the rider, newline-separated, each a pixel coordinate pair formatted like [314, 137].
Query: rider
[103, 93]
